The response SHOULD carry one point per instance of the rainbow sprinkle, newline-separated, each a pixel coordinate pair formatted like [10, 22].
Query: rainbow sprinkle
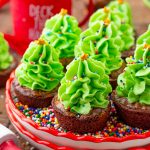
[45, 117]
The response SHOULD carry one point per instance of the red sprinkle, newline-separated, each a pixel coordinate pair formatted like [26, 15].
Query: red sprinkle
[32, 63]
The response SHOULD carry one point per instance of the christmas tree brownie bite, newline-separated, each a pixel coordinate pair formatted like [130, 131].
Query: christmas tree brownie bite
[123, 22]
[38, 76]
[7, 61]
[103, 43]
[132, 99]
[82, 103]
[62, 32]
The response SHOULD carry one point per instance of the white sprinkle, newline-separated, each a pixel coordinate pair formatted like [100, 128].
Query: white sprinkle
[27, 143]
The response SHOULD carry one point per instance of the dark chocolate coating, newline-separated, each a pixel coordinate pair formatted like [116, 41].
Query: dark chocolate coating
[4, 74]
[113, 83]
[76, 123]
[66, 61]
[135, 114]
[128, 53]
[32, 98]
[114, 75]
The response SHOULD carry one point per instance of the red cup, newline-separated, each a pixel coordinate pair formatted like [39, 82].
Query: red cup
[9, 145]
[3, 2]
[29, 17]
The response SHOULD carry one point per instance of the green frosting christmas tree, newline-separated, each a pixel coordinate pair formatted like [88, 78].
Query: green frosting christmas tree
[134, 83]
[40, 68]
[5, 57]
[119, 13]
[62, 32]
[103, 43]
[85, 86]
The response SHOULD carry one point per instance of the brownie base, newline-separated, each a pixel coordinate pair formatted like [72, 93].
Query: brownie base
[76, 123]
[114, 75]
[32, 98]
[66, 61]
[135, 114]
[128, 53]
[113, 83]
[4, 74]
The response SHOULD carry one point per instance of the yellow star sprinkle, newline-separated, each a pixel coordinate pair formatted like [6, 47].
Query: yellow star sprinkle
[106, 10]
[120, 1]
[84, 56]
[147, 46]
[40, 41]
[107, 22]
[63, 12]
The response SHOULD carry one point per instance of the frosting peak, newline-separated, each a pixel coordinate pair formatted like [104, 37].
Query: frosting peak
[113, 13]
[122, 7]
[102, 43]
[134, 83]
[85, 86]
[143, 47]
[40, 68]
[62, 32]
[5, 57]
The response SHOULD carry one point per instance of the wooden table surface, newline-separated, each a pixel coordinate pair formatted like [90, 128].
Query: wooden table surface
[141, 17]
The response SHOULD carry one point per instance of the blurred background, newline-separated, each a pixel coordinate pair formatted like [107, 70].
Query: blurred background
[141, 14]
[21, 21]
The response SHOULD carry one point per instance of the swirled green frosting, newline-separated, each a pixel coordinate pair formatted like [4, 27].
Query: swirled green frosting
[143, 41]
[114, 15]
[144, 38]
[103, 43]
[124, 8]
[40, 68]
[62, 32]
[85, 86]
[122, 21]
[5, 57]
[134, 83]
